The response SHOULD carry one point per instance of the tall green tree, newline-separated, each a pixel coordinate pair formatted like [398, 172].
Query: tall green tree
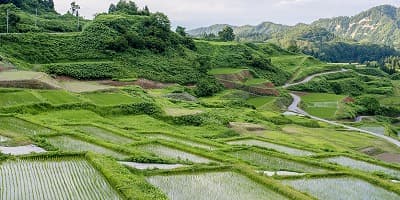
[227, 34]
[181, 31]
[123, 6]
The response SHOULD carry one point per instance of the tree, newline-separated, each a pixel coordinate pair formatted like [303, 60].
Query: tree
[123, 6]
[181, 31]
[227, 34]
[146, 10]
[207, 87]
[112, 8]
[75, 9]
[161, 21]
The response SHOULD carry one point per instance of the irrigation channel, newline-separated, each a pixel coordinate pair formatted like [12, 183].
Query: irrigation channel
[294, 107]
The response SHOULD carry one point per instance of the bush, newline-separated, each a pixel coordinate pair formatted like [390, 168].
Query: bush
[207, 87]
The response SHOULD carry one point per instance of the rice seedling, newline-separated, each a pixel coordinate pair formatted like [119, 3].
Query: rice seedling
[166, 152]
[17, 98]
[269, 145]
[103, 134]
[23, 127]
[273, 163]
[110, 99]
[53, 179]
[341, 188]
[364, 166]
[144, 166]
[173, 139]
[213, 185]
[70, 144]
[374, 129]
[57, 97]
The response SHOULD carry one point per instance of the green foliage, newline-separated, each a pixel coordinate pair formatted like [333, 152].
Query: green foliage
[181, 31]
[31, 5]
[86, 71]
[342, 52]
[207, 87]
[226, 34]
[391, 64]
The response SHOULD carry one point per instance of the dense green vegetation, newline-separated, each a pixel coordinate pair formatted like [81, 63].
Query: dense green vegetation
[371, 35]
[217, 125]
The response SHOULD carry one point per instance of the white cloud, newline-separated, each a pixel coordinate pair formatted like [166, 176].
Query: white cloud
[195, 13]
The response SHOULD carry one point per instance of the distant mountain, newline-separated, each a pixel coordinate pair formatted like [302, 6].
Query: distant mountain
[262, 31]
[379, 25]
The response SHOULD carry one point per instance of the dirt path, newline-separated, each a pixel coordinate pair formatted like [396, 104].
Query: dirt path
[309, 78]
[294, 107]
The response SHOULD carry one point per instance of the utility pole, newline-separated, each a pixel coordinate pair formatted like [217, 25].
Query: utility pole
[7, 20]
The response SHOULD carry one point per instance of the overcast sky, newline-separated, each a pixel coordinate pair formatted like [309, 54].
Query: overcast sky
[197, 13]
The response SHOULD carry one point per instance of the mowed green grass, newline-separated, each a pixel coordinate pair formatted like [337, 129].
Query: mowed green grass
[58, 97]
[111, 99]
[219, 71]
[322, 105]
[16, 98]
[261, 102]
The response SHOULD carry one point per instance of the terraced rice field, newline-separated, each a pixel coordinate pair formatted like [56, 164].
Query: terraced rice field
[322, 105]
[21, 150]
[260, 102]
[146, 166]
[341, 188]
[16, 98]
[173, 139]
[213, 185]
[53, 179]
[364, 166]
[84, 86]
[374, 129]
[104, 134]
[59, 97]
[66, 143]
[110, 99]
[273, 163]
[269, 145]
[166, 152]
[22, 127]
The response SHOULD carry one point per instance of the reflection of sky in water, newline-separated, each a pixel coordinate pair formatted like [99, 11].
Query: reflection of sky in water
[376, 129]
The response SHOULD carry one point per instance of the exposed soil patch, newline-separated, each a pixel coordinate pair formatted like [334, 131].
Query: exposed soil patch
[371, 151]
[27, 79]
[144, 83]
[389, 157]
[241, 76]
[246, 127]
[176, 112]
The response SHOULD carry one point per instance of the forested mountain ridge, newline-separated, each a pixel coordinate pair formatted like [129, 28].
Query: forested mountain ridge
[380, 25]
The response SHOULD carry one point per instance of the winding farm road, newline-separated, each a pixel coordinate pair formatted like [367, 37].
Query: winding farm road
[309, 78]
[294, 107]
